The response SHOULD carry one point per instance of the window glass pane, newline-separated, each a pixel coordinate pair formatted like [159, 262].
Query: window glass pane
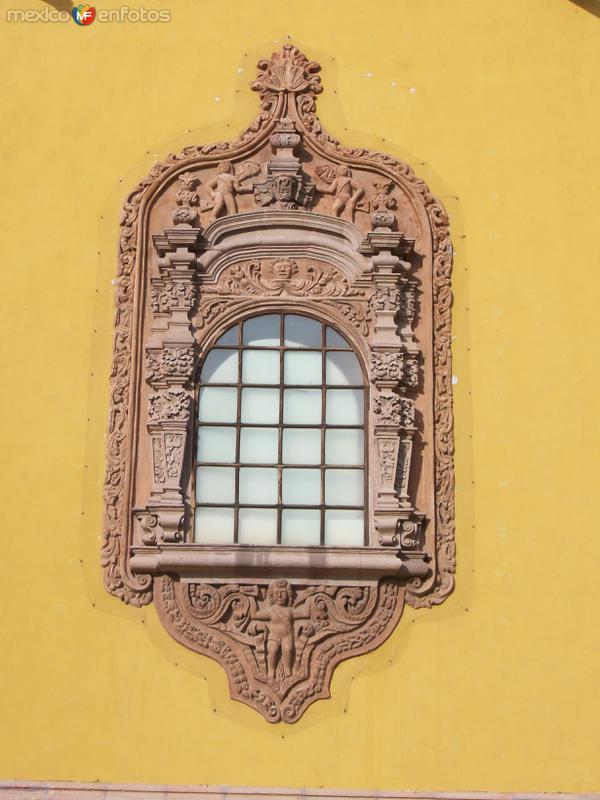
[259, 445]
[300, 526]
[216, 444]
[257, 526]
[218, 404]
[345, 406]
[260, 366]
[213, 525]
[301, 446]
[301, 487]
[344, 528]
[302, 406]
[260, 405]
[220, 366]
[344, 487]
[302, 331]
[343, 369]
[303, 368]
[333, 339]
[229, 337]
[258, 485]
[215, 485]
[262, 331]
[344, 446]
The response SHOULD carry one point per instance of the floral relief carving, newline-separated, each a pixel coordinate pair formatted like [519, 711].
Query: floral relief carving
[170, 362]
[387, 408]
[284, 277]
[170, 406]
[278, 642]
[390, 409]
[387, 366]
[387, 458]
[410, 376]
[278, 635]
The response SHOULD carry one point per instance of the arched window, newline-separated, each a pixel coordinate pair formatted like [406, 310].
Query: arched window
[279, 458]
[280, 437]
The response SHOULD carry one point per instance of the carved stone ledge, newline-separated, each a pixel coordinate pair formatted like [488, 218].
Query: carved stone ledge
[242, 562]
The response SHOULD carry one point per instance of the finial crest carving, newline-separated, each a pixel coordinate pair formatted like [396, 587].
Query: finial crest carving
[289, 70]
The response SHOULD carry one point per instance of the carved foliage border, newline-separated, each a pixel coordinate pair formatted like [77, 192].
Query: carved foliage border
[137, 590]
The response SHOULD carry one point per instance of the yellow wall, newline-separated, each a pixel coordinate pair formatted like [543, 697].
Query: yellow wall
[498, 688]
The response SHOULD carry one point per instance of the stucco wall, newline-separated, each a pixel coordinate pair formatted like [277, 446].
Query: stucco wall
[495, 105]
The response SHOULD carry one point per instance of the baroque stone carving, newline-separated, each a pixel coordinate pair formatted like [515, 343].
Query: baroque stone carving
[346, 192]
[279, 643]
[283, 217]
[224, 187]
[173, 405]
[169, 364]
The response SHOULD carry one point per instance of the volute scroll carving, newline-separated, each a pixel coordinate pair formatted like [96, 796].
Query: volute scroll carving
[283, 219]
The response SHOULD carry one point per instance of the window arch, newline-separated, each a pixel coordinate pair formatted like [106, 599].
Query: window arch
[282, 224]
[280, 446]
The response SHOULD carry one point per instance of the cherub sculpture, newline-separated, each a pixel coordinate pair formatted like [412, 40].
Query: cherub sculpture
[280, 615]
[225, 185]
[339, 183]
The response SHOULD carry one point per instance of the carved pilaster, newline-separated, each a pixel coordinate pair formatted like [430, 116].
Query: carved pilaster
[170, 360]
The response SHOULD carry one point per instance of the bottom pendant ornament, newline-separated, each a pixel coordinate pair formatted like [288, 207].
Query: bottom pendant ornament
[279, 643]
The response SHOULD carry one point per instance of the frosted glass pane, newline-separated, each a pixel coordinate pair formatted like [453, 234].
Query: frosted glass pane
[260, 405]
[258, 485]
[229, 337]
[218, 404]
[333, 339]
[213, 526]
[262, 331]
[303, 368]
[300, 526]
[215, 485]
[220, 366]
[216, 444]
[257, 526]
[344, 528]
[345, 407]
[344, 446]
[259, 445]
[302, 331]
[302, 487]
[301, 446]
[260, 366]
[343, 369]
[344, 487]
[302, 406]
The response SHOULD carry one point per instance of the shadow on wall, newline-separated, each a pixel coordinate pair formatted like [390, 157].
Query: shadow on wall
[593, 6]
[60, 5]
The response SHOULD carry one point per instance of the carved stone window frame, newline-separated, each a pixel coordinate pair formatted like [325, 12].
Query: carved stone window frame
[284, 218]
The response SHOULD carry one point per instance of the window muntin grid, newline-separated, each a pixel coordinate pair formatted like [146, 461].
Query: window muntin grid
[280, 453]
